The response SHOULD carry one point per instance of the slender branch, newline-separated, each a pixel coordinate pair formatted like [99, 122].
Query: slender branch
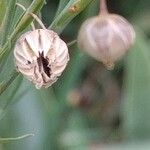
[38, 20]
[71, 43]
[23, 8]
[103, 7]
[6, 140]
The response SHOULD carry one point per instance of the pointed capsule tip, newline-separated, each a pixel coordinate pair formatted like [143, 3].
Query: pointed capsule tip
[109, 65]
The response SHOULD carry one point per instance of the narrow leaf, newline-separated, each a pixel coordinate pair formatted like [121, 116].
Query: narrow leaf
[7, 100]
[137, 91]
[3, 6]
[62, 4]
[6, 24]
[5, 84]
[72, 9]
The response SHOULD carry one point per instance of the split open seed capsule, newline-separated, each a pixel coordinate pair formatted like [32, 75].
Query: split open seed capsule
[41, 56]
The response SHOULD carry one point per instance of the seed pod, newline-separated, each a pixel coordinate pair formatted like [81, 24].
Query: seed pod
[106, 37]
[41, 56]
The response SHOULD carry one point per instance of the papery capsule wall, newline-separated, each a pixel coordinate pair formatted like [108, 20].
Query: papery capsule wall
[106, 37]
[41, 56]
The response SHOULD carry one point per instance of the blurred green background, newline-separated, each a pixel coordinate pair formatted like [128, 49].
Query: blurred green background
[89, 107]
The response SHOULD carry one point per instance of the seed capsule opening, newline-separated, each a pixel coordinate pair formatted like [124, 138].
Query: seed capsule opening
[43, 64]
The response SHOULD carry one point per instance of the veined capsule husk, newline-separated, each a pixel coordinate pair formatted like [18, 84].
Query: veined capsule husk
[106, 38]
[41, 56]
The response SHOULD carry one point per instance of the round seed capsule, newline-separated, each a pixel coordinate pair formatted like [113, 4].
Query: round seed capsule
[41, 56]
[106, 38]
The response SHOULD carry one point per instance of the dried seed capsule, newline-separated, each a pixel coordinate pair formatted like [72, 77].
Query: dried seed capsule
[41, 56]
[106, 37]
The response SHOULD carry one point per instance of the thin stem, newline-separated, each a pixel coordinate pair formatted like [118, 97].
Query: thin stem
[38, 20]
[71, 43]
[6, 140]
[103, 7]
[23, 8]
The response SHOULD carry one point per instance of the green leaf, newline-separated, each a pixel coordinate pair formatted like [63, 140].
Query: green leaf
[5, 84]
[62, 4]
[10, 13]
[3, 6]
[137, 90]
[72, 9]
[7, 100]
